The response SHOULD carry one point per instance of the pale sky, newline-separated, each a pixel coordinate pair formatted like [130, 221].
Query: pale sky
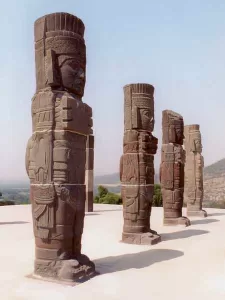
[177, 46]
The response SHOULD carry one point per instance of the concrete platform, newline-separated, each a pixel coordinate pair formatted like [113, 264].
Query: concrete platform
[189, 263]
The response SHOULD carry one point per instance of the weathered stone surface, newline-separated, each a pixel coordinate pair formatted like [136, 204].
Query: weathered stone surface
[89, 174]
[172, 168]
[56, 151]
[137, 164]
[194, 163]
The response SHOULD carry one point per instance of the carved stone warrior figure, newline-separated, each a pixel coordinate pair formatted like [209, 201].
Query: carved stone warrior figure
[89, 174]
[56, 151]
[137, 164]
[194, 163]
[172, 168]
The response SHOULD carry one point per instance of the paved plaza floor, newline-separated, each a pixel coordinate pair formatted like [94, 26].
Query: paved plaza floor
[189, 263]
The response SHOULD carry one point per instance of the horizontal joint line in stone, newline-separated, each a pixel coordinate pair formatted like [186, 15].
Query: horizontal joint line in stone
[54, 183]
[137, 184]
[139, 153]
[146, 94]
[59, 130]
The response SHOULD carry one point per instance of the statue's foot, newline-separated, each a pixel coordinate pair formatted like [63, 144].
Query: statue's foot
[184, 221]
[153, 231]
[70, 270]
[147, 238]
[76, 270]
[200, 213]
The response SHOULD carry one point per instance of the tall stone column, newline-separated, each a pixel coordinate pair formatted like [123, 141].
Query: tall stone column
[194, 163]
[89, 174]
[56, 151]
[172, 168]
[137, 164]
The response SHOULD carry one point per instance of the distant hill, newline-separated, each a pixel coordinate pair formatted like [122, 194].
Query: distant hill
[214, 181]
[5, 185]
[215, 170]
[107, 179]
[113, 179]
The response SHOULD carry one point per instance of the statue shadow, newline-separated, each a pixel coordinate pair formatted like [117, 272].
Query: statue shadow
[216, 214]
[182, 234]
[138, 260]
[91, 214]
[105, 210]
[203, 221]
[14, 223]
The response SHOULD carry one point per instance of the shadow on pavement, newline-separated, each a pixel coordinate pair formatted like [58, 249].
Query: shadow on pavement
[203, 221]
[91, 214]
[138, 260]
[182, 234]
[216, 214]
[13, 223]
[103, 210]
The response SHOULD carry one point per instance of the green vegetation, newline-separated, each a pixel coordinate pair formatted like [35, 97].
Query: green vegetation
[215, 204]
[106, 197]
[6, 202]
[157, 196]
[14, 195]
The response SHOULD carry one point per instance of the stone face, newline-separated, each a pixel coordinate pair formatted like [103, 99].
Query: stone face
[137, 164]
[172, 168]
[89, 174]
[194, 163]
[56, 151]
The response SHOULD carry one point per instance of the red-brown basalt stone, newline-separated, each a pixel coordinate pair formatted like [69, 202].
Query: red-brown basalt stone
[194, 163]
[137, 164]
[172, 168]
[56, 151]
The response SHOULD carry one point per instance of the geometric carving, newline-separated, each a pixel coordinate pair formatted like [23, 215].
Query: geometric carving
[56, 151]
[194, 163]
[137, 164]
[172, 168]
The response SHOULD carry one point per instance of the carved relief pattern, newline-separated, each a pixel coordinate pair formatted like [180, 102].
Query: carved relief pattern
[194, 163]
[137, 163]
[172, 168]
[56, 151]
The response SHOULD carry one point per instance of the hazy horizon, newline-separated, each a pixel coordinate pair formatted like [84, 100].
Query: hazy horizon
[176, 46]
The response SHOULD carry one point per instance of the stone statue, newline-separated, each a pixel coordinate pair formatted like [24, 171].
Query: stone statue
[89, 174]
[137, 164]
[194, 163]
[56, 151]
[172, 168]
